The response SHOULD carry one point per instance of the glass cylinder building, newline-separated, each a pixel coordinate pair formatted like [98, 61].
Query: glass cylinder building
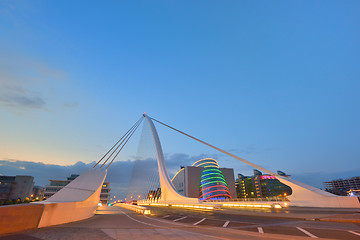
[213, 185]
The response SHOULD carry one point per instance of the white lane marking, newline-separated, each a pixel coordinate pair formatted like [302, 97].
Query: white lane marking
[180, 219]
[199, 221]
[226, 223]
[166, 216]
[149, 224]
[162, 227]
[260, 230]
[182, 224]
[354, 233]
[307, 233]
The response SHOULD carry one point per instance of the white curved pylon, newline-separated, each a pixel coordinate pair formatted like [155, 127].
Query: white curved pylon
[168, 192]
[302, 195]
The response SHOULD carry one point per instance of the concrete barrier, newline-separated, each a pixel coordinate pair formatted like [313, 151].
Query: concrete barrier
[19, 217]
[76, 201]
[135, 208]
[65, 212]
[304, 195]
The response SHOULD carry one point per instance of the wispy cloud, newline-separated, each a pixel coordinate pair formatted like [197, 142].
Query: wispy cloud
[24, 100]
[70, 105]
[22, 82]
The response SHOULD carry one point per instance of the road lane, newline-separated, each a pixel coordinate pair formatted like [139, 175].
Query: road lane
[118, 223]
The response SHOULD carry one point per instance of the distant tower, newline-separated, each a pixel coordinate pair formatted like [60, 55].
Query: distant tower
[212, 183]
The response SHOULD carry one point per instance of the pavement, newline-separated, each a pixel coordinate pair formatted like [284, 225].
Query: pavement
[350, 218]
[171, 223]
[315, 214]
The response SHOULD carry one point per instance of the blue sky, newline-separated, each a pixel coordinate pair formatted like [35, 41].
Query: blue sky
[276, 82]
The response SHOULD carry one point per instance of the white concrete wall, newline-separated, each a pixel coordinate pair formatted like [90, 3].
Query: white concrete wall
[304, 195]
[76, 201]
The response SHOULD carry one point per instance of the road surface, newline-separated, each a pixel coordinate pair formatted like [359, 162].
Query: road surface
[171, 223]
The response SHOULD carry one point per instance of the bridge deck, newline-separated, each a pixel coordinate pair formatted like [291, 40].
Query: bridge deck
[117, 223]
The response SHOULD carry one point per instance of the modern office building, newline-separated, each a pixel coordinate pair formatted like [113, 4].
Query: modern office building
[261, 186]
[14, 187]
[105, 193]
[56, 185]
[343, 187]
[205, 180]
[37, 193]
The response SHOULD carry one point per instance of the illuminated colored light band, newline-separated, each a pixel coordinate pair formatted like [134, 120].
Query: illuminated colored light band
[214, 169]
[210, 174]
[219, 177]
[218, 190]
[213, 182]
[203, 183]
[213, 176]
[208, 160]
[219, 195]
[214, 164]
[218, 186]
[267, 177]
[209, 178]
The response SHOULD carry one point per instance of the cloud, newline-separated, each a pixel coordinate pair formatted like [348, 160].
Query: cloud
[41, 172]
[118, 174]
[70, 105]
[122, 174]
[136, 176]
[25, 100]
[23, 82]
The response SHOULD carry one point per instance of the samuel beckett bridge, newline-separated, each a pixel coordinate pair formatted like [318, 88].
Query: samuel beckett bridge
[165, 211]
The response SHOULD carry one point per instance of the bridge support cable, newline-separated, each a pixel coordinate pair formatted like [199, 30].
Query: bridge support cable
[151, 183]
[121, 143]
[140, 119]
[126, 139]
[218, 149]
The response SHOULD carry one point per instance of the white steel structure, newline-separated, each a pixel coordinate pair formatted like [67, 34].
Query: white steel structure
[79, 199]
[168, 191]
[303, 195]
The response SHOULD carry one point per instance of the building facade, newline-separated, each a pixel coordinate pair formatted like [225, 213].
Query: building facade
[343, 187]
[105, 193]
[56, 185]
[14, 187]
[261, 186]
[205, 180]
[37, 193]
